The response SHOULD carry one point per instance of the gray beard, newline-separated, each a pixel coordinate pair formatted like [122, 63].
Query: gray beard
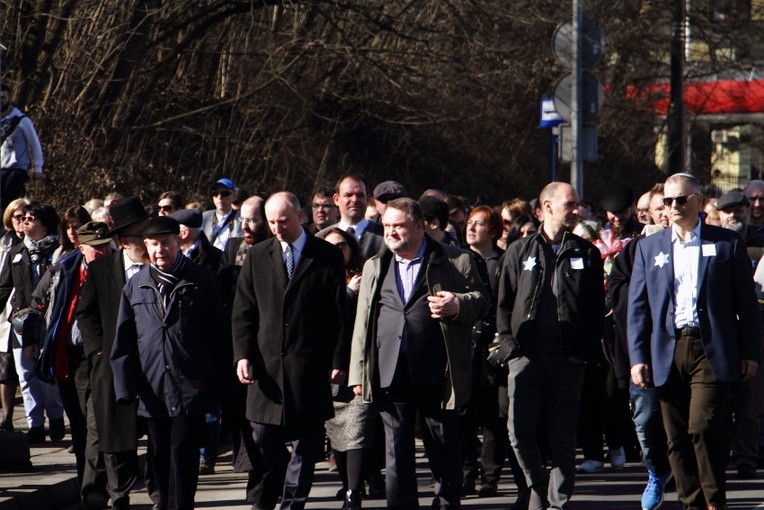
[737, 227]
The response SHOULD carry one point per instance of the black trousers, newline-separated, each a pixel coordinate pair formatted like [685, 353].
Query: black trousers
[296, 470]
[174, 459]
[398, 407]
[75, 394]
[11, 185]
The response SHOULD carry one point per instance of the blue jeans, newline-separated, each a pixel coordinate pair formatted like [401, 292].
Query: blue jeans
[646, 415]
[209, 451]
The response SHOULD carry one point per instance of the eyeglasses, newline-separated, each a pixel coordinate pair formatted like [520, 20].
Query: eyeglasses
[222, 193]
[250, 221]
[340, 245]
[18, 217]
[30, 219]
[680, 200]
[322, 206]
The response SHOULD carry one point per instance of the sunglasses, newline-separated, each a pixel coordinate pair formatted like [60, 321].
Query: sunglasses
[18, 217]
[166, 208]
[680, 200]
[340, 245]
[222, 193]
[28, 218]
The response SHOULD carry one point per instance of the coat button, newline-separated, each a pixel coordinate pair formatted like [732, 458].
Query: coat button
[173, 408]
[167, 367]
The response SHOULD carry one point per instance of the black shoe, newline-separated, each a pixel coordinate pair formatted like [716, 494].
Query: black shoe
[36, 435]
[353, 500]
[468, 487]
[7, 426]
[488, 490]
[340, 496]
[377, 486]
[95, 501]
[57, 430]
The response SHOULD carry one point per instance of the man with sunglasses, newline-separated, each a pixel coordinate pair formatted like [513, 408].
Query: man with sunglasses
[693, 330]
[219, 224]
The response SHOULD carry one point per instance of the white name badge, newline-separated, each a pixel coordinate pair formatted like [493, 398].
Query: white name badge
[576, 263]
[709, 250]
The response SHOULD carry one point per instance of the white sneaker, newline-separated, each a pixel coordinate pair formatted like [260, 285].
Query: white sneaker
[617, 458]
[591, 466]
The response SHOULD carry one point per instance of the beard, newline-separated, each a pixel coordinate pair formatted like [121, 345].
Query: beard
[737, 227]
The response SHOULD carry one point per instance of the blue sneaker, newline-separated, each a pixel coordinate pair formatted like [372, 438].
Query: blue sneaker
[652, 497]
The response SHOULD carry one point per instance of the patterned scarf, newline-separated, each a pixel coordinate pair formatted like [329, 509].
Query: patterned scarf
[167, 280]
[40, 253]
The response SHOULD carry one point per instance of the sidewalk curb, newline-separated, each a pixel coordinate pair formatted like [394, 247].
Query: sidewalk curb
[50, 497]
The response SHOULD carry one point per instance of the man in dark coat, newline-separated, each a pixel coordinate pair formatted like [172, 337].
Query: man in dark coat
[351, 199]
[97, 317]
[290, 339]
[167, 351]
[193, 242]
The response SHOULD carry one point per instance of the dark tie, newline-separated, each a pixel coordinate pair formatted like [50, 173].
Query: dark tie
[351, 231]
[289, 260]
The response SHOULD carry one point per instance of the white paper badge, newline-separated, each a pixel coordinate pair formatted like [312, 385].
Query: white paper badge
[529, 264]
[661, 259]
[709, 250]
[17, 258]
[576, 263]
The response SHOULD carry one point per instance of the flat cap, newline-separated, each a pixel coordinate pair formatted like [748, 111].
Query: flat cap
[161, 225]
[191, 218]
[389, 190]
[94, 233]
[618, 198]
[731, 199]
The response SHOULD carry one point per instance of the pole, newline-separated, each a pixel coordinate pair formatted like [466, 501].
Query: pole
[577, 119]
[553, 153]
[676, 129]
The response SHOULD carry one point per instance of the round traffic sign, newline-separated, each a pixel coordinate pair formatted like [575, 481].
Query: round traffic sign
[593, 96]
[591, 43]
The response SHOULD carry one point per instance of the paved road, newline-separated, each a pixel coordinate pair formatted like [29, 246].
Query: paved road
[609, 490]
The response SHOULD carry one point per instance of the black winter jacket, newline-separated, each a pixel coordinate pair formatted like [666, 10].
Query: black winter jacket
[577, 282]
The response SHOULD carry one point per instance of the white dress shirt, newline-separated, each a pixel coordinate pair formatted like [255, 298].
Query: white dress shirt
[686, 261]
[297, 246]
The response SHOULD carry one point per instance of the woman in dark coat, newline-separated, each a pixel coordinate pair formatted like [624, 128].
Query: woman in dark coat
[351, 431]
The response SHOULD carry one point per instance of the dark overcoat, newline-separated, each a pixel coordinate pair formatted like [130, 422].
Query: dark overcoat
[97, 318]
[292, 331]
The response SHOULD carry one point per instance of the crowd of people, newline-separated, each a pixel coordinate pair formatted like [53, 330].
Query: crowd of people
[499, 334]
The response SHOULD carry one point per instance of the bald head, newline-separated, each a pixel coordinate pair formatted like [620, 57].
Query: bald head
[252, 217]
[754, 192]
[284, 216]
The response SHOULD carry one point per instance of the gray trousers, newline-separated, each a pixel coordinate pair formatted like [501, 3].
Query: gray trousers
[548, 386]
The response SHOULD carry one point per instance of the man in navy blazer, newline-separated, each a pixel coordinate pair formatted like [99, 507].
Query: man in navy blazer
[693, 329]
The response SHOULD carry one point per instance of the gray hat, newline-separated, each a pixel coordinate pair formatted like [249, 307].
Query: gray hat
[618, 198]
[389, 190]
[191, 218]
[94, 233]
[161, 225]
[731, 199]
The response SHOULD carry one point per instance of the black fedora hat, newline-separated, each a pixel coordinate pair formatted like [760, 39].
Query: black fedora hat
[126, 212]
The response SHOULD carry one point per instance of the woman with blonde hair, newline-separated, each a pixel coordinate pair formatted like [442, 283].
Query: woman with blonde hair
[13, 232]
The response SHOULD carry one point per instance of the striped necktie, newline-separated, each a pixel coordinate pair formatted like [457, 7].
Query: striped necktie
[289, 260]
